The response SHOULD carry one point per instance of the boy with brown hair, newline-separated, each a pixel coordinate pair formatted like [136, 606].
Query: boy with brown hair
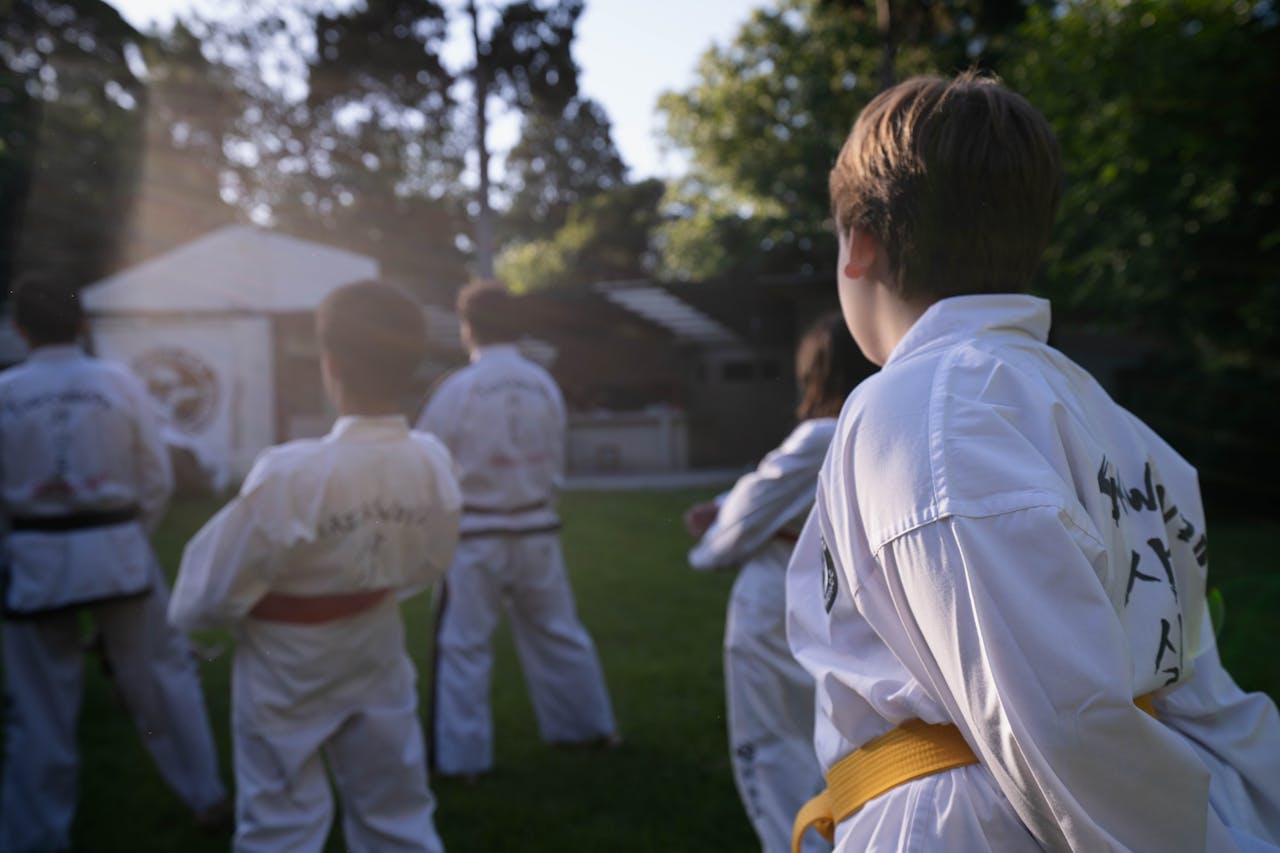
[307, 566]
[503, 418]
[84, 479]
[1000, 591]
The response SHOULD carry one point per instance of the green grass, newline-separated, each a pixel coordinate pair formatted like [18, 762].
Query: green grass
[658, 628]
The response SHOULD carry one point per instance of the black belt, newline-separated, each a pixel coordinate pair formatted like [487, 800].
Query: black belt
[510, 531]
[468, 509]
[74, 521]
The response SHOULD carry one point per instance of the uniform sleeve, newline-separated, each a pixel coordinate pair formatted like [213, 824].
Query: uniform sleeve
[1009, 626]
[762, 502]
[446, 514]
[561, 424]
[154, 466]
[1237, 735]
[226, 567]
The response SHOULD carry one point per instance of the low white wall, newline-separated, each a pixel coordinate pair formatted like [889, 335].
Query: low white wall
[628, 442]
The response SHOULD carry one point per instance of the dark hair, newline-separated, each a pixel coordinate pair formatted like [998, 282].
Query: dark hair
[46, 309]
[958, 180]
[828, 366]
[375, 335]
[490, 310]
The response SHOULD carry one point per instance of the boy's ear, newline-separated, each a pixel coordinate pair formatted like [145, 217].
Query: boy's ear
[863, 248]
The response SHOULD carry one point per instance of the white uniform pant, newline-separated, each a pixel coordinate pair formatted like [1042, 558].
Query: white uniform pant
[378, 762]
[563, 674]
[156, 676]
[770, 703]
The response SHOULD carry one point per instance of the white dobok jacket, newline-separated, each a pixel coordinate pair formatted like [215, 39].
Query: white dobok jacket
[78, 507]
[372, 505]
[503, 418]
[770, 500]
[998, 545]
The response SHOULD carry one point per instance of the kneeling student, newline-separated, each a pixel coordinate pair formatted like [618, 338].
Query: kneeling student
[307, 566]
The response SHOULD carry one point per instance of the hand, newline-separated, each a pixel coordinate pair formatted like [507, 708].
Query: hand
[699, 517]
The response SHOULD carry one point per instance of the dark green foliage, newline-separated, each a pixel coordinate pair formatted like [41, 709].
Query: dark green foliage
[1170, 228]
[71, 119]
[606, 238]
[560, 160]
[768, 113]
[1169, 231]
[527, 56]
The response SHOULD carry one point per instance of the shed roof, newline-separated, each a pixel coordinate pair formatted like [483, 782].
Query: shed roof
[235, 269]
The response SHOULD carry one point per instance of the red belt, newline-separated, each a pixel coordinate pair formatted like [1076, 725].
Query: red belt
[314, 609]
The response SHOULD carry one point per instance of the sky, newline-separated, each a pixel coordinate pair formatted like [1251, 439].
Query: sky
[629, 52]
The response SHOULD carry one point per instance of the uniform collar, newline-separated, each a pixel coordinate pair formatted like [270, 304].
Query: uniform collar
[51, 353]
[959, 318]
[366, 428]
[490, 350]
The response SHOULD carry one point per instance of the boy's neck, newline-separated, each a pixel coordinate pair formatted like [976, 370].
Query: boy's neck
[368, 409]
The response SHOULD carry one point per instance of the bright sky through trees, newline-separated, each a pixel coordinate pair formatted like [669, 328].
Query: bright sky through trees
[629, 52]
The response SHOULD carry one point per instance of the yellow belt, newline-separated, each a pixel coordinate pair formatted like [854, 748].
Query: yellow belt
[912, 750]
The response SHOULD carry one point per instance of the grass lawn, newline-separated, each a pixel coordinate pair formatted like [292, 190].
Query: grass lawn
[658, 629]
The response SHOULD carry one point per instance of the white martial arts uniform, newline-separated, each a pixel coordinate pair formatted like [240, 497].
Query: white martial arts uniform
[998, 545]
[84, 475]
[503, 418]
[370, 506]
[770, 696]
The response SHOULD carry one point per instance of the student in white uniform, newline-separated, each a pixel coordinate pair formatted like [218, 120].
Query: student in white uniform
[752, 528]
[1004, 570]
[307, 566]
[84, 478]
[503, 418]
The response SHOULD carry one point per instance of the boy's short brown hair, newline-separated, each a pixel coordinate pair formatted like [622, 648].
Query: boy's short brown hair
[376, 337]
[46, 308]
[959, 180]
[490, 310]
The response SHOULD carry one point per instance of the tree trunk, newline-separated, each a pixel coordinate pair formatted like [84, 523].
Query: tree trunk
[884, 23]
[484, 216]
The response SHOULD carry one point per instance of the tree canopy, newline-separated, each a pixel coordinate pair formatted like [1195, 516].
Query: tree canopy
[767, 113]
[1166, 115]
[71, 127]
[337, 122]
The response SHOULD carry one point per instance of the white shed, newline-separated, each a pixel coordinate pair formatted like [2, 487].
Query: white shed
[219, 329]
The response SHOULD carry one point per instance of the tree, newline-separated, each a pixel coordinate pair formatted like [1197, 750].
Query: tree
[352, 143]
[606, 237]
[70, 131]
[527, 63]
[192, 104]
[762, 125]
[365, 143]
[768, 113]
[387, 155]
[1169, 227]
[560, 160]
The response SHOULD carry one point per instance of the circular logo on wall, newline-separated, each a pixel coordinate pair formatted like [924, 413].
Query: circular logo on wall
[184, 383]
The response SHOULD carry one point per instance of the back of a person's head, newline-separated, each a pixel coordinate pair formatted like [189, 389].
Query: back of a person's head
[489, 310]
[46, 309]
[959, 180]
[375, 335]
[828, 366]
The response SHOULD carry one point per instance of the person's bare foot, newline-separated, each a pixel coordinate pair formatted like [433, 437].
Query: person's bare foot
[468, 779]
[217, 819]
[604, 743]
